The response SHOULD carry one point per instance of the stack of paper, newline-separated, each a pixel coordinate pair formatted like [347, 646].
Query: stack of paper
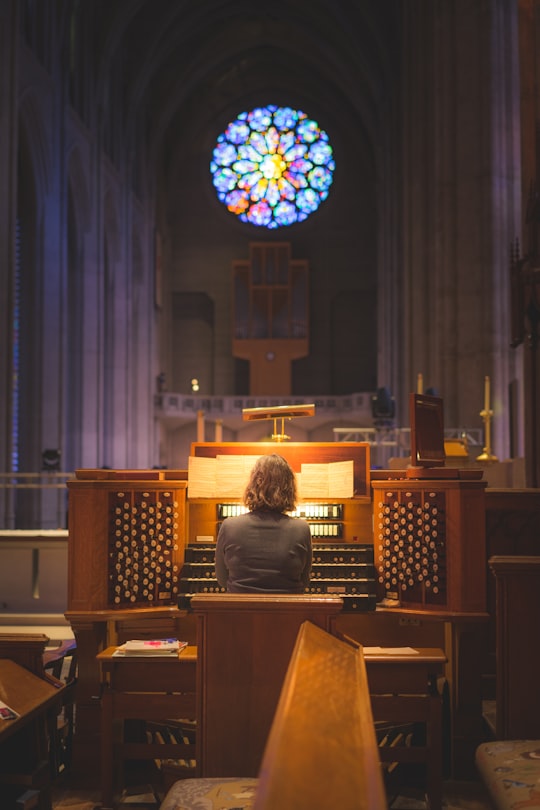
[158, 646]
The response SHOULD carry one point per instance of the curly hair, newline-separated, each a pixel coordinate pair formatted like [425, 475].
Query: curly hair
[271, 485]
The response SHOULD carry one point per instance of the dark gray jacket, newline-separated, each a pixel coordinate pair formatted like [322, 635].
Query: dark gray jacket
[264, 552]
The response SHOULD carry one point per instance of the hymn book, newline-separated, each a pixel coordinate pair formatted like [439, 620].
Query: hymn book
[163, 647]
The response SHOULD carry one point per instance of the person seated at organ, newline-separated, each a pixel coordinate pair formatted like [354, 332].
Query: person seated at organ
[265, 550]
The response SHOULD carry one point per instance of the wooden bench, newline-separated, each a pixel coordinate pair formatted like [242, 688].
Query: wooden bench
[510, 764]
[26, 741]
[321, 750]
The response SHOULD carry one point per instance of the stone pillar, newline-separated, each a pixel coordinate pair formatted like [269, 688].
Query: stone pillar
[9, 47]
[460, 203]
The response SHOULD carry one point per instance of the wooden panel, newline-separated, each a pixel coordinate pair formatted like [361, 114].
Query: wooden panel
[512, 521]
[24, 741]
[126, 539]
[518, 654]
[429, 541]
[26, 649]
[149, 706]
[245, 643]
[356, 520]
[322, 750]
[133, 674]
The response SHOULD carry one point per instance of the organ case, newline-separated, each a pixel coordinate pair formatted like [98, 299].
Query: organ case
[126, 538]
[429, 543]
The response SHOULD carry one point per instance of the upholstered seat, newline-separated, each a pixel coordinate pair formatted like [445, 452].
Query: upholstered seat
[510, 769]
[233, 793]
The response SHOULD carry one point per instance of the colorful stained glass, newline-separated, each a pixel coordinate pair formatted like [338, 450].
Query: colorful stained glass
[272, 166]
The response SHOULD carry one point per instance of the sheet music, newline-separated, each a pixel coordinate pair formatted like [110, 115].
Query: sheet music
[313, 481]
[224, 476]
[341, 479]
[333, 480]
[202, 477]
[232, 475]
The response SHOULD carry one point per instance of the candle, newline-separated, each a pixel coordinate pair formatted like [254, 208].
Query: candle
[420, 384]
[486, 393]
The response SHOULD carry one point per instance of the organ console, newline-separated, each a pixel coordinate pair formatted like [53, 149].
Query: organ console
[341, 529]
[140, 548]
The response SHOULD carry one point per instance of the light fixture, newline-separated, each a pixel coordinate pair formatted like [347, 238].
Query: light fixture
[50, 460]
[278, 412]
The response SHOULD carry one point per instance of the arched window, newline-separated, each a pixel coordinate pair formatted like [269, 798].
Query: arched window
[272, 166]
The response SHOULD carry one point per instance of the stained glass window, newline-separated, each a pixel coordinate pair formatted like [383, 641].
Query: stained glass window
[272, 166]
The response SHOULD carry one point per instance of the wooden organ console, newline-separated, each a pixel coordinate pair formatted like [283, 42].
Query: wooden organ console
[140, 547]
[125, 551]
[341, 530]
[429, 523]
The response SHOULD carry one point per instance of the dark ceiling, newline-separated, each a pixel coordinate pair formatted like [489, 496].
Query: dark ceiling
[191, 67]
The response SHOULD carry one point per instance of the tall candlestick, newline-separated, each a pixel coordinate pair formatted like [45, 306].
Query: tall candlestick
[487, 415]
[420, 384]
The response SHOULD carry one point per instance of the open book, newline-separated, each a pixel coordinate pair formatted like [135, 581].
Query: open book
[154, 646]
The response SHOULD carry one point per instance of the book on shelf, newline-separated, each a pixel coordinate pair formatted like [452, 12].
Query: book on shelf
[162, 647]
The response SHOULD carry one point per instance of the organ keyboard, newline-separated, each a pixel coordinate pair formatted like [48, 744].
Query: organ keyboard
[346, 570]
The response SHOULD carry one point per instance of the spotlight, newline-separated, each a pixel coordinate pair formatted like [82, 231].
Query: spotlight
[383, 407]
[50, 460]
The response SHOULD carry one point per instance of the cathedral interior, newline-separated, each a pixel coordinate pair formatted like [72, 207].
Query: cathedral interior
[218, 206]
[119, 306]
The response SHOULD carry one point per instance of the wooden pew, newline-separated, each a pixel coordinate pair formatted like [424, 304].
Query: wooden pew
[26, 649]
[510, 764]
[321, 750]
[517, 581]
[25, 741]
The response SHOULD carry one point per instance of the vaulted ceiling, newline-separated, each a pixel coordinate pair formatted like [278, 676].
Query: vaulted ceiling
[188, 64]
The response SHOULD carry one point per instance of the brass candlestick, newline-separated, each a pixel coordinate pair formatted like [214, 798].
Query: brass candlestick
[487, 415]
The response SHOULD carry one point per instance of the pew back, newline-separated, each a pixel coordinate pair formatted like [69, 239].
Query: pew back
[518, 651]
[322, 749]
